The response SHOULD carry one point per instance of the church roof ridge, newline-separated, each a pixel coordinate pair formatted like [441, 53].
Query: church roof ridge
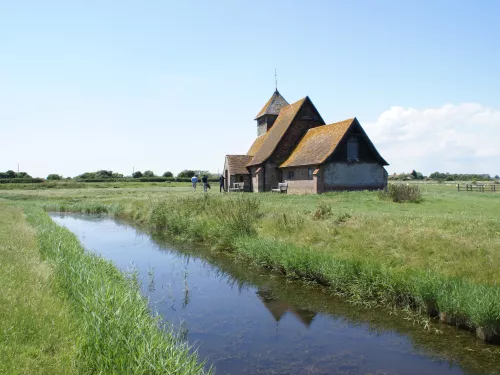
[318, 144]
[274, 135]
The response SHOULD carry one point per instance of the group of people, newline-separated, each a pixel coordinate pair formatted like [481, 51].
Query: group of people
[206, 184]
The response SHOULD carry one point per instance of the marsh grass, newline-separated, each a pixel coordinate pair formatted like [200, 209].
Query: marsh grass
[400, 193]
[367, 283]
[37, 330]
[87, 208]
[117, 333]
[217, 220]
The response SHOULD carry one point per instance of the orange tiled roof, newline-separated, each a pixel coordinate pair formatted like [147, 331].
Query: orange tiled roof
[256, 145]
[237, 163]
[274, 135]
[273, 105]
[318, 144]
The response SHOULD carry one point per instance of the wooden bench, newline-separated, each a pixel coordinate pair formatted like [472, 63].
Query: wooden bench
[238, 187]
[282, 188]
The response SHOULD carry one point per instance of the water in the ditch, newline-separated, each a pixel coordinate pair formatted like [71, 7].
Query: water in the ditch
[249, 321]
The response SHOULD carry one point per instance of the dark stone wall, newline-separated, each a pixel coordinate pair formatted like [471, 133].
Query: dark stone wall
[261, 129]
[272, 176]
[354, 176]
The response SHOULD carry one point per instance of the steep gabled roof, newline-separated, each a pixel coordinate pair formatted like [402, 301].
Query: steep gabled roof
[275, 306]
[379, 157]
[273, 105]
[318, 144]
[305, 316]
[278, 130]
[256, 145]
[237, 164]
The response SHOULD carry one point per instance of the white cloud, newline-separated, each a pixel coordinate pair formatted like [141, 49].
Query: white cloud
[461, 138]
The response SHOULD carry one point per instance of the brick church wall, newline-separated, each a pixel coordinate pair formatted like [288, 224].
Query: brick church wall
[301, 183]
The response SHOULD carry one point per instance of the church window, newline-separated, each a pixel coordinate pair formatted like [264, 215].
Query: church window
[310, 173]
[352, 149]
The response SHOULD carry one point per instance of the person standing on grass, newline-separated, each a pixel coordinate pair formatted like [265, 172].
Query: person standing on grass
[194, 180]
[221, 182]
[204, 179]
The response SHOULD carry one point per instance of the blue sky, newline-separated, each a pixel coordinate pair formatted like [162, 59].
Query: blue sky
[88, 85]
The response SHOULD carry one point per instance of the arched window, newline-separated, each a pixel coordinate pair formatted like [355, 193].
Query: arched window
[352, 149]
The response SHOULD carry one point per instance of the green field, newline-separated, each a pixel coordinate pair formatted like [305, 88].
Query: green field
[451, 233]
[439, 255]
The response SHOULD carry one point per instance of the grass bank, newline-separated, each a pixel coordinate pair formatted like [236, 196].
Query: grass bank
[106, 325]
[38, 334]
[237, 224]
[440, 255]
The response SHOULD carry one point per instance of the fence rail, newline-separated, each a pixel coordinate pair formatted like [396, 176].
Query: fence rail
[480, 187]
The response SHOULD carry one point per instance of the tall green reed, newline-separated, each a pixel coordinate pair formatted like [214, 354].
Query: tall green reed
[119, 333]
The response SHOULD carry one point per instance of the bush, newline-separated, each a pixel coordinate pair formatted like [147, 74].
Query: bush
[104, 174]
[187, 173]
[323, 210]
[23, 175]
[10, 174]
[54, 177]
[99, 175]
[402, 193]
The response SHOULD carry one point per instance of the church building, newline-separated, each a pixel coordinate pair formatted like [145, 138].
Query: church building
[294, 145]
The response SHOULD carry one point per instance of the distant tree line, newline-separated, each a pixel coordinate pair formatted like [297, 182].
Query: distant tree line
[12, 174]
[100, 175]
[146, 176]
[438, 176]
[414, 175]
[17, 177]
[460, 177]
